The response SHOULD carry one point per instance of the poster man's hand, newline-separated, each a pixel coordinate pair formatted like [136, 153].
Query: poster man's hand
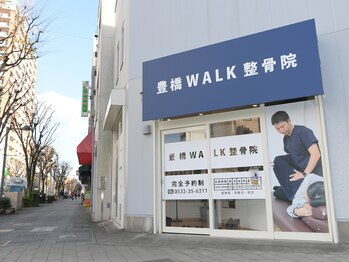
[296, 176]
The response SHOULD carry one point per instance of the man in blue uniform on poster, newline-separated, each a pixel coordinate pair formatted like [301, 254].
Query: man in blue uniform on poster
[303, 156]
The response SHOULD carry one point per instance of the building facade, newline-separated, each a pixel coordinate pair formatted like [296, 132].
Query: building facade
[17, 82]
[179, 147]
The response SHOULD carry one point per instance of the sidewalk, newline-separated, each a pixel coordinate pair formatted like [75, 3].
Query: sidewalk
[63, 231]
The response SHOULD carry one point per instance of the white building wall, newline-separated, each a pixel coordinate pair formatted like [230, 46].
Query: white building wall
[139, 157]
[159, 28]
[104, 80]
[162, 28]
[334, 57]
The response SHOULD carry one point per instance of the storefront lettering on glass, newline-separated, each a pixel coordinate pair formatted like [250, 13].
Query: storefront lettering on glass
[237, 185]
[187, 183]
[250, 69]
[236, 151]
[189, 155]
[237, 192]
[186, 187]
[171, 157]
[183, 155]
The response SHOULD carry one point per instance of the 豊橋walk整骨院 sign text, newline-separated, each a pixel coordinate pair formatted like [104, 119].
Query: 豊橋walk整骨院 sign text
[273, 65]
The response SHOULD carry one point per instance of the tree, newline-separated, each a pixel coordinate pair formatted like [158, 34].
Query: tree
[16, 168]
[19, 48]
[14, 100]
[37, 139]
[20, 45]
[60, 174]
[23, 38]
[45, 164]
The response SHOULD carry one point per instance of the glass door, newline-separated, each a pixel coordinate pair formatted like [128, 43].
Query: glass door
[185, 180]
[118, 176]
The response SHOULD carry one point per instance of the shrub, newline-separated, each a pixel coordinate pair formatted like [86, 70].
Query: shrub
[31, 199]
[5, 203]
[35, 197]
[27, 201]
[50, 199]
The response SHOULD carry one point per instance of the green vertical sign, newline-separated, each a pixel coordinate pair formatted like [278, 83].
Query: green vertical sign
[84, 104]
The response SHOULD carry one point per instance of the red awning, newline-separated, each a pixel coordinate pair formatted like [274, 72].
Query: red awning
[84, 150]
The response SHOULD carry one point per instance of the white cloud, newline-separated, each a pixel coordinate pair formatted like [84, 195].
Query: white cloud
[72, 129]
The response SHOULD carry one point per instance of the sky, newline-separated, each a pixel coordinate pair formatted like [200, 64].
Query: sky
[65, 60]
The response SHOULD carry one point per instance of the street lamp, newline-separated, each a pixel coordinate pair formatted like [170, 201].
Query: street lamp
[7, 131]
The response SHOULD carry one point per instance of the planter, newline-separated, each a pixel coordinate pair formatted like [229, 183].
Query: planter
[10, 211]
[5, 203]
[16, 199]
[50, 199]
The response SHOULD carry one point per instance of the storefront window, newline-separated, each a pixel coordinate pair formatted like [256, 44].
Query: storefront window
[237, 175]
[222, 176]
[298, 188]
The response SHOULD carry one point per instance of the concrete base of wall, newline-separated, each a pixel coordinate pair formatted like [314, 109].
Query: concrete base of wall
[111, 226]
[16, 199]
[139, 224]
[343, 231]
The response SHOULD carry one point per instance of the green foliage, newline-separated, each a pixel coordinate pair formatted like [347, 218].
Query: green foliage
[27, 201]
[5, 203]
[31, 199]
[35, 196]
[51, 198]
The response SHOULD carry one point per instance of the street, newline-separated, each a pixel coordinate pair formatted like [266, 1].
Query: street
[63, 231]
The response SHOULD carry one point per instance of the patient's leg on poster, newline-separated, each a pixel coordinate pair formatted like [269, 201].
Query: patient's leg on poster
[283, 168]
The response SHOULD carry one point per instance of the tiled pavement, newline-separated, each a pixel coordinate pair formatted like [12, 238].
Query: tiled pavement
[63, 231]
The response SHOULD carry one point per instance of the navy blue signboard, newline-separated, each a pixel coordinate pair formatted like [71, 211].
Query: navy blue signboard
[273, 65]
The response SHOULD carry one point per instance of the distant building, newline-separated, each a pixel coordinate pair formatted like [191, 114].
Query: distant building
[21, 77]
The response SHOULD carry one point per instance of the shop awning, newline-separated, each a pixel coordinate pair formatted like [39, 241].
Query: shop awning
[84, 150]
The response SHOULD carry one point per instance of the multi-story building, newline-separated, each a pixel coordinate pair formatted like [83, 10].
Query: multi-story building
[184, 93]
[19, 79]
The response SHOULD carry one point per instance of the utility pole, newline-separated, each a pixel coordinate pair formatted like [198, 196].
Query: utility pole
[4, 163]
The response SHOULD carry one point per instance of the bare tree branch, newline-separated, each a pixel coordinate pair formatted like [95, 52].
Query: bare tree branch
[24, 38]
[45, 164]
[15, 100]
[37, 139]
[62, 171]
